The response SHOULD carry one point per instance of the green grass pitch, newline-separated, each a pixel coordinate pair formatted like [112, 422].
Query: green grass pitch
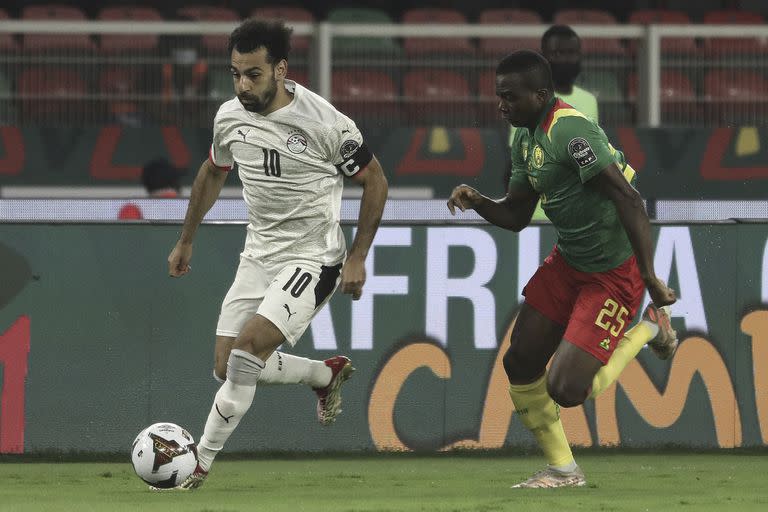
[448, 482]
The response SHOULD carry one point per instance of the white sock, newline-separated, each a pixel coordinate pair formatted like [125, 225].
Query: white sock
[232, 401]
[282, 368]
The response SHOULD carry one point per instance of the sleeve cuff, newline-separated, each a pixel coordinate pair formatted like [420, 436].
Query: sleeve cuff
[222, 167]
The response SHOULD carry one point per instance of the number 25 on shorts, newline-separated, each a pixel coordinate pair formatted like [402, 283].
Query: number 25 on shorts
[612, 317]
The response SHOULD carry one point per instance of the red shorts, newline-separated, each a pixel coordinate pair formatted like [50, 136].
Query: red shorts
[594, 307]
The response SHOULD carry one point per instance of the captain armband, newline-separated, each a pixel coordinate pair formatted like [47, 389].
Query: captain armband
[356, 157]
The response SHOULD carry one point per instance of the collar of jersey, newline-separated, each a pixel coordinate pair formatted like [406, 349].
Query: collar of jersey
[281, 109]
[547, 111]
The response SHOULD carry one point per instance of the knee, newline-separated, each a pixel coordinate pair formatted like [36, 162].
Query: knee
[260, 338]
[244, 342]
[254, 346]
[564, 392]
[518, 367]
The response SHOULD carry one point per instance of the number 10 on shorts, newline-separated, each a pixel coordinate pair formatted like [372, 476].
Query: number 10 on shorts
[300, 284]
[612, 317]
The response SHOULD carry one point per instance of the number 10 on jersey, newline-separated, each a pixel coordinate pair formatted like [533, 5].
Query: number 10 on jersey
[271, 162]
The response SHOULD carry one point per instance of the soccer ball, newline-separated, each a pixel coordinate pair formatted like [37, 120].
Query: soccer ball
[164, 455]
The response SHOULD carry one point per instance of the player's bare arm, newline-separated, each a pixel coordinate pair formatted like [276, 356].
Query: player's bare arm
[205, 190]
[375, 188]
[629, 205]
[513, 212]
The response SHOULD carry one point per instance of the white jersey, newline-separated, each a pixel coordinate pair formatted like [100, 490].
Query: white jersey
[291, 163]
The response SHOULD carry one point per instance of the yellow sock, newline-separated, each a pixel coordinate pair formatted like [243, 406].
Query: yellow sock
[628, 347]
[541, 415]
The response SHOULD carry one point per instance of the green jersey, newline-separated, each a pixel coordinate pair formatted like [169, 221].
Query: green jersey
[565, 151]
[583, 101]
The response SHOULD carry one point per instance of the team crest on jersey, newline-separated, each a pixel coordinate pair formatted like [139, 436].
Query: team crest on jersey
[538, 156]
[297, 143]
[348, 148]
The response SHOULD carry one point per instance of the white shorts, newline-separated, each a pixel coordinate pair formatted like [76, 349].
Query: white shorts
[288, 295]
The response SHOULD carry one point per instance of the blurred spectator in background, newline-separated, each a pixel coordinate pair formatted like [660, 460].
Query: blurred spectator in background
[161, 180]
[561, 46]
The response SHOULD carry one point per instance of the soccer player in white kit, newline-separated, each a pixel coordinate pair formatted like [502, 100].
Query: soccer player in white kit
[291, 149]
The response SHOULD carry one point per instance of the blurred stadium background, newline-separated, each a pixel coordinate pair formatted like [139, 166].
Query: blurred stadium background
[91, 92]
[649, 62]
[92, 74]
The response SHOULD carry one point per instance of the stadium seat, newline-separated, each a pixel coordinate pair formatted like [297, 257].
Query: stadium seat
[51, 94]
[733, 17]
[7, 103]
[609, 46]
[220, 87]
[486, 85]
[299, 76]
[420, 46]
[678, 97]
[487, 101]
[7, 42]
[118, 86]
[212, 43]
[369, 45]
[297, 14]
[36, 42]
[736, 96]
[437, 96]
[500, 46]
[759, 6]
[119, 81]
[717, 47]
[695, 10]
[299, 44]
[128, 42]
[669, 45]
[363, 95]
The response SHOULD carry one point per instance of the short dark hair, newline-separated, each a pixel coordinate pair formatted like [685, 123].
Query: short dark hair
[254, 33]
[538, 73]
[159, 174]
[563, 31]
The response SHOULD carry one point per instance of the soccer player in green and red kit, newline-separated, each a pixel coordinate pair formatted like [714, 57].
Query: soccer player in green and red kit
[580, 301]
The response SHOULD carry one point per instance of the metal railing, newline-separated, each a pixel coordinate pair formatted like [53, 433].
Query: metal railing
[398, 211]
[650, 75]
